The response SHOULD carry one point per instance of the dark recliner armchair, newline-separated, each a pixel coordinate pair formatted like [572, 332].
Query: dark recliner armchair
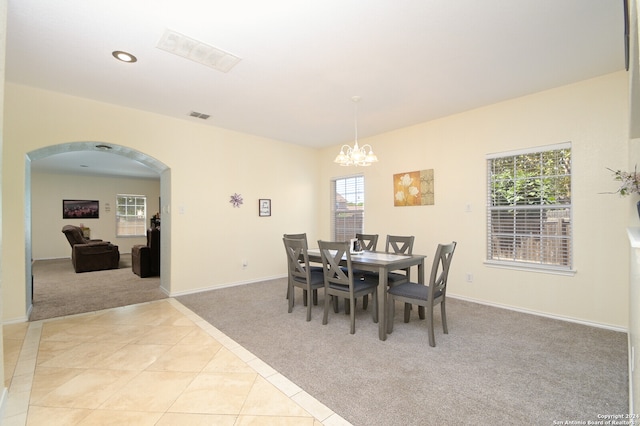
[145, 259]
[90, 255]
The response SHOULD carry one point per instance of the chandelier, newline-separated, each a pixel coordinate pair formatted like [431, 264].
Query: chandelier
[356, 156]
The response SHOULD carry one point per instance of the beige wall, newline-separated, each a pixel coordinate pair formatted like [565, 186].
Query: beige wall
[208, 237]
[593, 116]
[47, 192]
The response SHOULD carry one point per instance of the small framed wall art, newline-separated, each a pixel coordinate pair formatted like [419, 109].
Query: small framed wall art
[264, 207]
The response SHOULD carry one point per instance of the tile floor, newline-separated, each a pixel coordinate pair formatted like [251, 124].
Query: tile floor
[154, 363]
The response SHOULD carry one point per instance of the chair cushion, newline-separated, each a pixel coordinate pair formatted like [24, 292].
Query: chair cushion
[317, 279]
[358, 285]
[394, 278]
[412, 290]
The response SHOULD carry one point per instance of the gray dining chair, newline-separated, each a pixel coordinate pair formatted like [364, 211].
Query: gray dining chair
[339, 280]
[368, 242]
[397, 244]
[428, 296]
[300, 273]
[313, 268]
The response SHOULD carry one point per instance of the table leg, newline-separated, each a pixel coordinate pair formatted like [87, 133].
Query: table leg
[382, 302]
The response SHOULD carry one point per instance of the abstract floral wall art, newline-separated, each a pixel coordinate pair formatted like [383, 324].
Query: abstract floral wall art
[413, 188]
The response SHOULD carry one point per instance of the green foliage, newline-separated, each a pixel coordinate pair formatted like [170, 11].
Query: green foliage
[630, 181]
[542, 178]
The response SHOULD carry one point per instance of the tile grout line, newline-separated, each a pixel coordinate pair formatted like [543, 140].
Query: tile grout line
[19, 394]
[314, 407]
[23, 375]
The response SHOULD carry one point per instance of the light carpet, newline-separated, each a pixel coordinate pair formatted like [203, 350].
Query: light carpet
[494, 367]
[58, 290]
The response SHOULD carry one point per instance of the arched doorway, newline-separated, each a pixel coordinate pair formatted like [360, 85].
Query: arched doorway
[99, 147]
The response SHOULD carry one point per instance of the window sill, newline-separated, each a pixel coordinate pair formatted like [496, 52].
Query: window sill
[544, 269]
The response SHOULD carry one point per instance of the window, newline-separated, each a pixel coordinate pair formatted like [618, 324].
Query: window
[347, 202]
[131, 215]
[529, 208]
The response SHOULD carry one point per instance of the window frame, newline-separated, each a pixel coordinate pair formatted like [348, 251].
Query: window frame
[564, 218]
[139, 230]
[359, 193]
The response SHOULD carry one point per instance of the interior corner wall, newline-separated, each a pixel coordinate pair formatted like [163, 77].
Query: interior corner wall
[593, 115]
[209, 238]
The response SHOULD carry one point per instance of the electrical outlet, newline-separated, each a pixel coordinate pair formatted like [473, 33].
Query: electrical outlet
[469, 277]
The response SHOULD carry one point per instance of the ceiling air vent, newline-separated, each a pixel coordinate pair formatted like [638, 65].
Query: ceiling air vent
[199, 115]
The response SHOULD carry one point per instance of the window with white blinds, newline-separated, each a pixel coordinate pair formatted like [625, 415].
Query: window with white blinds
[131, 215]
[347, 201]
[529, 208]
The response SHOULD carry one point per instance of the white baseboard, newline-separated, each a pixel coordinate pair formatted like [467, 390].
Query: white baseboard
[15, 320]
[52, 258]
[541, 314]
[217, 287]
[453, 296]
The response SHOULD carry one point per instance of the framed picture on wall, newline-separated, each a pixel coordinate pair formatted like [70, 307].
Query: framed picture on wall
[264, 207]
[80, 209]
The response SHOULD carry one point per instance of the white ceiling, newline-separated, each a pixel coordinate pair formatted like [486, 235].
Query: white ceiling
[301, 62]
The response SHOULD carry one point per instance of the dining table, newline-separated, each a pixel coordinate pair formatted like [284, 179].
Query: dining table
[382, 263]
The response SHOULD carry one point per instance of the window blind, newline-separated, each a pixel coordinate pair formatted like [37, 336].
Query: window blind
[529, 208]
[347, 201]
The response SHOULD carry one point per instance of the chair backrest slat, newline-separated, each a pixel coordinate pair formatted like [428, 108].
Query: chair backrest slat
[297, 258]
[368, 242]
[296, 236]
[332, 254]
[397, 244]
[440, 271]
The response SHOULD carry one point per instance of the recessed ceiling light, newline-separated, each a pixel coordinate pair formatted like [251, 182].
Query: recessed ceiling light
[124, 56]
